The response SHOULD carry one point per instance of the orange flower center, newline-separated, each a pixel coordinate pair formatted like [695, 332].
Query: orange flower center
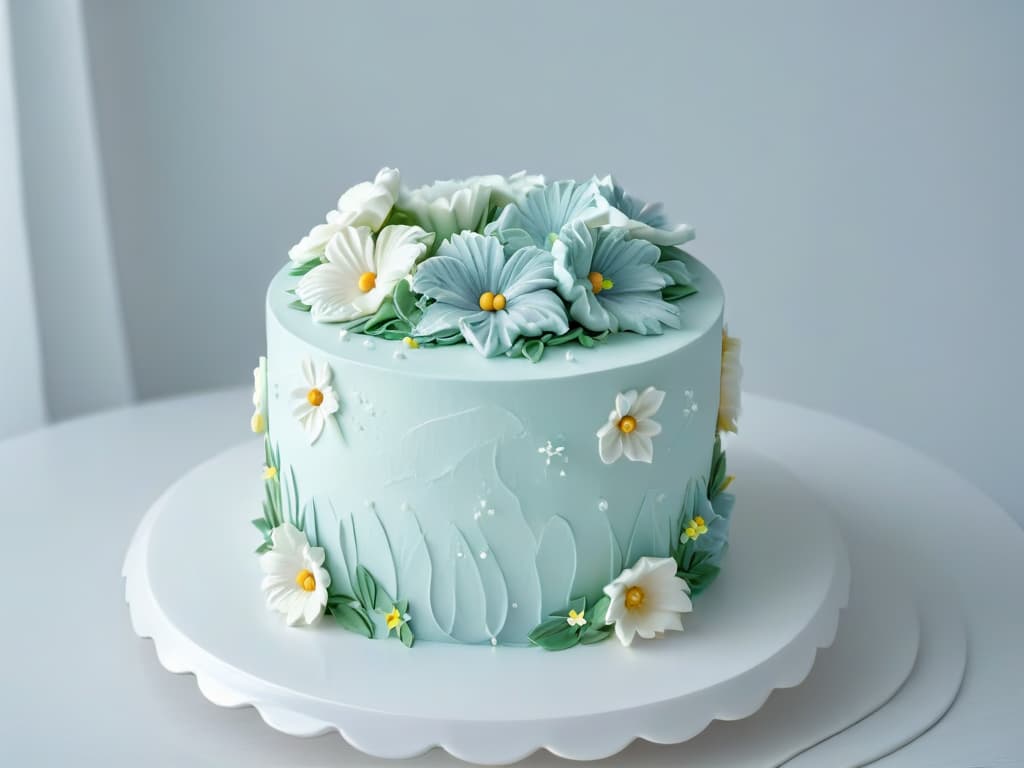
[627, 424]
[596, 281]
[315, 397]
[492, 302]
[634, 598]
[305, 580]
[367, 281]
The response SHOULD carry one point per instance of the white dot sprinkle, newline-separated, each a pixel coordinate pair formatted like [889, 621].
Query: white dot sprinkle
[561, 473]
[603, 505]
[483, 555]
[343, 334]
[693, 407]
[369, 344]
[483, 503]
[494, 641]
[458, 554]
[490, 512]
[570, 356]
[404, 506]
[476, 515]
[515, 605]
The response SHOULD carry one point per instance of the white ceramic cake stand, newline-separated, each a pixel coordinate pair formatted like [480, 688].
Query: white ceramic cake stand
[193, 587]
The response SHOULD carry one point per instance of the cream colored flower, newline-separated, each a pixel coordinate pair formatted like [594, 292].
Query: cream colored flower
[631, 426]
[313, 402]
[647, 599]
[295, 581]
[732, 374]
[258, 422]
[366, 204]
[360, 272]
[576, 619]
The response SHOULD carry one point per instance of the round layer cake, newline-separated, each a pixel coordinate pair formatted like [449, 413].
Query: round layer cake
[488, 499]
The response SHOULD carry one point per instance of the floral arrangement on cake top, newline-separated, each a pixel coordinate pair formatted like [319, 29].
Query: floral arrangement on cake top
[510, 265]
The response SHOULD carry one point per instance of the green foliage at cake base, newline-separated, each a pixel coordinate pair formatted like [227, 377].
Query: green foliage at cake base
[574, 626]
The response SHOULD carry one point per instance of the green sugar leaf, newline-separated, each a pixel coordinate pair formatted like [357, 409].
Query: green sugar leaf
[366, 588]
[533, 350]
[305, 267]
[300, 305]
[352, 619]
[406, 636]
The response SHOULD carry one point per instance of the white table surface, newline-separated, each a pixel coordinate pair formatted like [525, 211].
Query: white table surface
[79, 687]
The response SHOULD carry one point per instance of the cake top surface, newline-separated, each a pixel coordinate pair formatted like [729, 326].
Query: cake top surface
[506, 267]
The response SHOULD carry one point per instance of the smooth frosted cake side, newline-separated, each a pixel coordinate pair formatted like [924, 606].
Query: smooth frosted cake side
[419, 485]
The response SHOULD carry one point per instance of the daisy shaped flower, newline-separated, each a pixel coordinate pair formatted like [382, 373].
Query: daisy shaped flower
[449, 207]
[489, 299]
[642, 220]
[360, 271]
[539, 218]
[611, 282]
[647, 599]
[631, 426]
[315, 400]
[365, 205]
[295, 581]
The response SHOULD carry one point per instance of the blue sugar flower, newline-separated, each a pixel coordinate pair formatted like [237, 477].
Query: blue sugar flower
[611, 282]
[643, 220]
[489, 299]
[541, 216]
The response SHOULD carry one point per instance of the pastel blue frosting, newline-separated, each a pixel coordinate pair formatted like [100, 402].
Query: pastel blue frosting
[442, 474]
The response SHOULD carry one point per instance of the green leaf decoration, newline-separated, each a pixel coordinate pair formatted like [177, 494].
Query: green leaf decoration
[406, 636]
[351, 616]
[406, 304]
[263, 525]
[596, 633]
[533, 350]
[719, 477]
[517, 348]
[565, 338]
[586, 341]
[300, 305]
[700, 573]
[677, 292]
[366, 588]
[599, 611]
[554, 635]
[302, 269]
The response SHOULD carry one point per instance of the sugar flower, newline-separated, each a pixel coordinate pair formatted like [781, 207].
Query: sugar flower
[611, 282]
[258, 422]
[647, 599]
[491, 301]
[365, 205]
[315, 400]
[575, 619]
[631, 426]
[295, 581]
[732, 375]
[359, 271]
[449, 207]
[642, 220]
[541, 215]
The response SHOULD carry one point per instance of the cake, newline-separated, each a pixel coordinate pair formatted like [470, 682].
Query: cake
[492, 412]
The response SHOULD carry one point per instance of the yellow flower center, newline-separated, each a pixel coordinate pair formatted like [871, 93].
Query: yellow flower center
[634, 598]
[627, 424]
[269, 473]
[305, 580]
[394, 619]
[315, 397]
[411, 343]
[492, 302]
[367, 281]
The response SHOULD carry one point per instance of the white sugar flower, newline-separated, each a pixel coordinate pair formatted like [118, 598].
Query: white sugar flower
[575, 619]
[259, 397]
[631, 426]
[360, 272]
[313, 402]
[365, 205]
[453, 206]
[647, 599]
[295, 581]
[732, 374]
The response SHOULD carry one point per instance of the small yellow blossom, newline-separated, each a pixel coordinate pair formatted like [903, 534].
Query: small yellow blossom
[269, 473]
[576, 619]
[394, 619]
[411, 343]
[694, 529]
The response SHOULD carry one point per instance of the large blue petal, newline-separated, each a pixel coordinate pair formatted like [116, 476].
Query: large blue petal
[643, 313]
[491, 333]
[545, 210]
[649, 213]
[587, 310]
[536, 313]
[465, 266]
[629, 264]
[529, 269]
[439, 317]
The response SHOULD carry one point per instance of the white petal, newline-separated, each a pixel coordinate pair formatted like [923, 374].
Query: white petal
[314, 424]
[610, 444]
[309, 372]
[330, 401]
[638, 447]
[648, 403]
[312, 609]
[624, 402]
[647, 428]
[296, 605]
[397, 249]
[625, 629]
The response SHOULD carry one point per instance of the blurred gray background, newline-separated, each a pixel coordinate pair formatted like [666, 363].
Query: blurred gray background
[854, 171]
